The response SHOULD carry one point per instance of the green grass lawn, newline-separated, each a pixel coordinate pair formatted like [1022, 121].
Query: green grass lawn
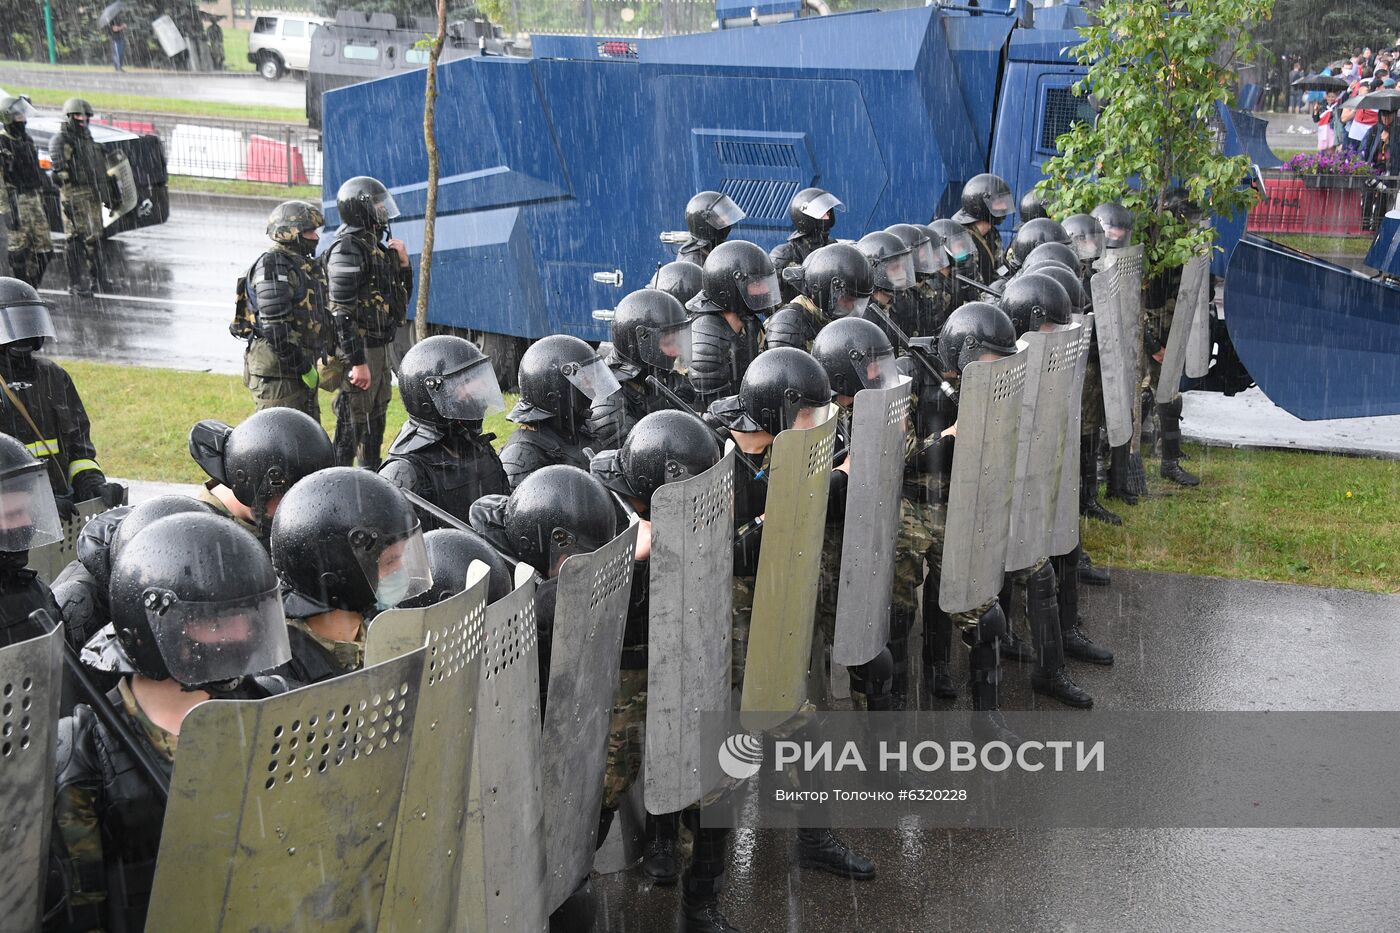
[250, 188]
[236, 50]
[101, 100]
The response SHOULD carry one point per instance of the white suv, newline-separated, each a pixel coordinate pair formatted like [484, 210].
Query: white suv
[280, 43]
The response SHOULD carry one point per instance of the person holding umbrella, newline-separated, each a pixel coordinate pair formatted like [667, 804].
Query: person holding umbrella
[110, 19]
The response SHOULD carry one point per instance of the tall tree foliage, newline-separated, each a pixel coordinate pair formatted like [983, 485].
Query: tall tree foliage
[1320, 31]
[1157, 77]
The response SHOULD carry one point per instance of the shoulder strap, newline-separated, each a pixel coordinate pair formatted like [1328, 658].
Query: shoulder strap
[38, 435]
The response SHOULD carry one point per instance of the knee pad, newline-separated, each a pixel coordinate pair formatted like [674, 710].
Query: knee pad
[875, 675]
[1041, 585]
[992, 626]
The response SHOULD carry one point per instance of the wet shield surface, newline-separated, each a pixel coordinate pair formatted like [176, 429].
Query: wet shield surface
[49, 560]
[1064, 534]
[1198, 349]
[425, 865]
[1041, 441]
[503, 869]
[589, 617]
[1195, 280]
[879, 427]
[30, 687]
[789, 563]
[283, 811]
[984, 473]
[688, 661]
[1118, 356]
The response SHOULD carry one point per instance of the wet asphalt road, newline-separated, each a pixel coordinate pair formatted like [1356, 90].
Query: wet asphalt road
[1185, 643]
[224, 89]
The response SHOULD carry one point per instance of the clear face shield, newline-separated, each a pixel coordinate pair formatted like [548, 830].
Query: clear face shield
[760, 291]
[666, 349]
[844, 301]
[899, 269]
[592, 378]
[998, 205]
[928, 260]
[25, 322]
[396, 568]
[877, 371]
[21, 111]
[469, 394]
[1116, 237]
[28, 514]
[1089, 246]
[205, 643]
[385, 209]
[958, 247]
[724, 213]
[824, 208]
[803, 415]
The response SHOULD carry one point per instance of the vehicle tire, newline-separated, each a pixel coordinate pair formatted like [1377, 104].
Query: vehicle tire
[270, 66]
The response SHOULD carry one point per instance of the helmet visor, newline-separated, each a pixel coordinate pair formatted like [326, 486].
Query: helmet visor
[725, 213]
[469, 394]
[23, 321]
[397, 569]
[385, 208]
[28, 514]
[1090, 245]
[958, 246]
[899, 270]
[998, 205]
[1116, 237]
[845, 302]
[665, 348]
[819, 207]
[21, 109]
[927, 259]
[760, 291]
[877, 371]
[204, 643]
[592, 378]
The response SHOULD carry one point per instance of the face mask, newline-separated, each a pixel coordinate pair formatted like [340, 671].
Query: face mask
[393, 588]
[12, 561]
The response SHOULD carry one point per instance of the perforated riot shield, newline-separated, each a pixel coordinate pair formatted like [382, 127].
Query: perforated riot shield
[688, 661]
[425, 866]
[30, 688]
[878, 429]
[49, 560]
[1040, 442]
[1199, 347]
[1127, 264]
[283, 811]
[984, 473]
[1118, 356]
[1195, 279]
[789, 563]
[590, 614]
[1064, 534]
[503, 867]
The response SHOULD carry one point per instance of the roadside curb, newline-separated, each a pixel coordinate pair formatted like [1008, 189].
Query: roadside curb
[206, 199]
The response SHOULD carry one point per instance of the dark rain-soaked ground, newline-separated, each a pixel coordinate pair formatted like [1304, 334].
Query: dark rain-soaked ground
[1186, 643]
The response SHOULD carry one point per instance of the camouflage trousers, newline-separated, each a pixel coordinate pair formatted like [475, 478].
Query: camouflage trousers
[360, 413]
[1091, 413]
[626, 736]
[82, 213]
[279, 391]
[920, 541]
[30, 230]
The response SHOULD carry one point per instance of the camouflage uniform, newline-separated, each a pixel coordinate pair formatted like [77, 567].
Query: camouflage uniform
[626, 736]
[989, 251]
[80, 167]
[293, 331]
[29, 247]
[316, 658]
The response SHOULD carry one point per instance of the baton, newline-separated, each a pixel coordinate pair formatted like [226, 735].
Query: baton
[447, 518]
[984, 289]
[914, 353]
[141, 751]
[680, 405]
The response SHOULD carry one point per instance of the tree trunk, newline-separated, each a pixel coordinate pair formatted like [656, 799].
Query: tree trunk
[430, 92]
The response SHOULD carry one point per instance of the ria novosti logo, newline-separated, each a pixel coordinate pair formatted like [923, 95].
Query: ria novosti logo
[741, 756]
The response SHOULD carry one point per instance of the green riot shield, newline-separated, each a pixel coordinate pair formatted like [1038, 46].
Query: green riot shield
[283, 812]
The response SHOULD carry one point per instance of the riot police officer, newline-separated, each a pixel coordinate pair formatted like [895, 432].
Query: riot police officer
[1117, 222]
[287, 323]
[1029, 236]
[680, 279]
[833, 282]
[927, 305]
[29, 248]
[1088, 238]
[450, 552]
[42, 408]
[561, 379]
[346, 544]
[892, 265]
[80, 169]
[813, 214]
[650, 338]
[1032, 206]
[1159, 308]
[962, 253]
[986, 202]
[186, 627]
[709, 217]
[738, 284]
[252, 466]
[28, 519]
[369, 284]
[448, 387]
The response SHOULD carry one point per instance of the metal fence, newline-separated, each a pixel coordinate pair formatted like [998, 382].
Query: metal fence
[245, 150]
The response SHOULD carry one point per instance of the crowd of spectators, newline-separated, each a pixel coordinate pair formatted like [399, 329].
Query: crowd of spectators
[1342, 126]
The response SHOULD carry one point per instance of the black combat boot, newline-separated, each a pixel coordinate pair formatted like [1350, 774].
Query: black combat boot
[1049, 677]
[1087, 573]
[1078, 644]
[872, 683]
[820, 849]
[1120, 480]
[1012, 647]
[74, 256]
[660, 863]
[901, 622]
[704, 880]
[938, 644]
[984, 678]
[1089, 504]
[1170, 416]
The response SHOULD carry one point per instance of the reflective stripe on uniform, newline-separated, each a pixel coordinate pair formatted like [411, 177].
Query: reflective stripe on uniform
[46, 448]
[79, 466]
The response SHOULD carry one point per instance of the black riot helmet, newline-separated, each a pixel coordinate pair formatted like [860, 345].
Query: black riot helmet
[778, 387]
[15, 110]
[972, 330]
[1033, 300]
[929, 258]
[985, 197]
[856, 355]
[445, 379]
[94, 544]
[1058, 253]
[194, 600]
[890, 260]
[556, 512]
[957, 242]
[561, 377]
[664, 447]
[813, 211]
[709, 216]
[24, 318]
[1086, 236]
[28, 513]
[348, 539]
[147, 513]
[650, 329]
[1031, 234]
[679, 279]
[1117, 223]
[740, 278]
[262, 458]
[1069, 281]
[77, 107]
[450, 553]
[364, 202]
[838, 279]
[1032, 206]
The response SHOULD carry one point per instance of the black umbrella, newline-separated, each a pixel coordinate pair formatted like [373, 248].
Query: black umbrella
[109, 13]
[1387, 99]
[1321, 83]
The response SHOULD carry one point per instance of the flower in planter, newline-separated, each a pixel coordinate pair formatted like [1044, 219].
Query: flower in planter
[1329, 163]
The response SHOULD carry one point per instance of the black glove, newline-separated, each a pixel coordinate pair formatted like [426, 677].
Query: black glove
[92, 484]
[67, 506]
